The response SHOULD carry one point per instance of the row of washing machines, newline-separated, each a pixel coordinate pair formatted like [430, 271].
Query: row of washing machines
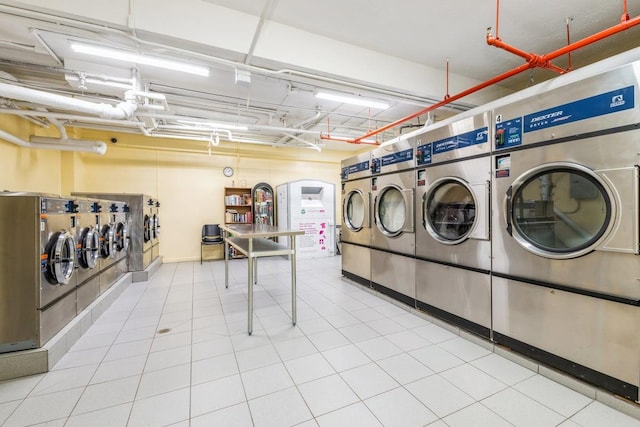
[518, 221]
[57, 255]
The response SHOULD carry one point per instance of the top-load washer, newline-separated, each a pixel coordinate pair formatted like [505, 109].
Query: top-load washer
[566, 226]
[356, 218]
[37, 266]
[393, 232]
[453, 249]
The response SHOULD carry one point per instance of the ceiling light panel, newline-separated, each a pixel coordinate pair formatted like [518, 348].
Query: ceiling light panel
[121, 55]
[354, 100]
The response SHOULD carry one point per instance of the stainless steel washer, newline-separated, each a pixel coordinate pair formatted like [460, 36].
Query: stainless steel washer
[155, 229]
[393, 235]
[453, 249]
[356, 218]
[37, 263]
[88, 252]
[108, 272]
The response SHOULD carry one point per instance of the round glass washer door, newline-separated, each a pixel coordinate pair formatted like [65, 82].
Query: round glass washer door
[147, 228]
[391, 211]
[90, 248]
[107, 248]
[559, 210]
[449, 210]
[60, 251]
[354, 211]
[121, 237]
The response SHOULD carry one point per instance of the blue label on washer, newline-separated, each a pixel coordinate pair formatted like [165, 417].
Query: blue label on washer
[399, 157]
[423, 154]
[594, 106]
[508, 132]
[478, 136]
[359, 167]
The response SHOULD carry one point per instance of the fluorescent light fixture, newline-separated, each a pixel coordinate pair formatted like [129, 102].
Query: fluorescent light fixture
[213, 125]
[121, 55]
[93, 81]
[352, 100]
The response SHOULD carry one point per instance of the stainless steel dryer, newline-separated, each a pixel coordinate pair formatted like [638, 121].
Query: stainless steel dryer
[453, 249]
[356, 218]
[37, 263]
[88, 252]
[108, 272]
[393, 235]
[566, 228]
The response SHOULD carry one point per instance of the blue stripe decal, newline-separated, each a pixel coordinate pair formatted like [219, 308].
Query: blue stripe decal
[478, 136]
[399, 157]
[359, 167]
[587, 108]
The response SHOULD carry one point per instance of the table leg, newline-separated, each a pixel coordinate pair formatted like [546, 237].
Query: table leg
[293, 279]
[250, 284]
[226, 258]
[255, 271]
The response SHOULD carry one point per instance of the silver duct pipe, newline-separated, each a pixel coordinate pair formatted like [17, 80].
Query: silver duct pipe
[97, 147]
[123, 110]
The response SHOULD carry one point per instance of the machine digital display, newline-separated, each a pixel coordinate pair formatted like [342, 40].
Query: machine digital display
[508, 133]
[423, 154]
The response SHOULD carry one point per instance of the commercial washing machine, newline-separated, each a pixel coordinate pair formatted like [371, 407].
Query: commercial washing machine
[356, 218]
[87, 252]
[37, 263]
[453, 249]
[108, 272]
[121, 237]
[393, 232]
[139, 221]
[155, 229]
[566, 224]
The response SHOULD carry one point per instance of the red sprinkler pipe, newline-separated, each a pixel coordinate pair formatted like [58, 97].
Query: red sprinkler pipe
[452, 98]
[625, 25]
[541, 61]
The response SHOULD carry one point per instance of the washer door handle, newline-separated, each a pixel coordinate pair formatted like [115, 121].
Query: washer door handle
[509, 210]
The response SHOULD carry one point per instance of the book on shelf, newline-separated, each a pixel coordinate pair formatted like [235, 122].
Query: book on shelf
[232, 215]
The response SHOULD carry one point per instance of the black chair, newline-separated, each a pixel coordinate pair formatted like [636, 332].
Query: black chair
[211, 235]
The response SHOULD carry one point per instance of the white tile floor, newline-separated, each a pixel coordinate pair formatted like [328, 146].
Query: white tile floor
[354, 359]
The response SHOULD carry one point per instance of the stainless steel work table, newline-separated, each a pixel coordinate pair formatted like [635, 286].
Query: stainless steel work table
[252, 240]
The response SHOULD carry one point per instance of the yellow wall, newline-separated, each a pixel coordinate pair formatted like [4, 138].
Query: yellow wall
[24, 169]
[187, 180]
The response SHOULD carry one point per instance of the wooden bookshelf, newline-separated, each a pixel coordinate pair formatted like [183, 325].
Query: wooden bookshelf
[237, 205]
[238, 209]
